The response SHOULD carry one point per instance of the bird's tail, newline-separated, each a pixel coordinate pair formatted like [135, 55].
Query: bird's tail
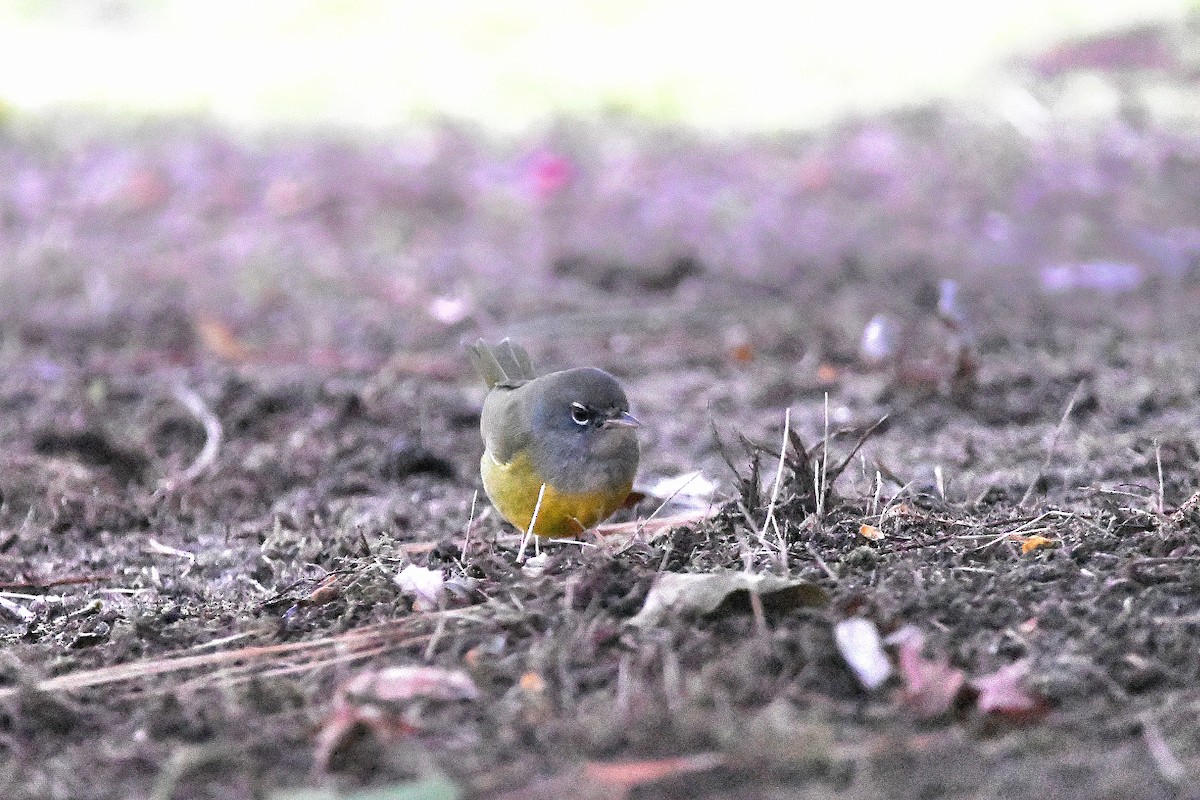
[506, 364]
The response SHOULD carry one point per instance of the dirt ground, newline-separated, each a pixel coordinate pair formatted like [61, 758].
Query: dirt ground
[234, 408]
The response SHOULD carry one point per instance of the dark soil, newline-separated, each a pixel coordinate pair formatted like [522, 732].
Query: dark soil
[311, 296]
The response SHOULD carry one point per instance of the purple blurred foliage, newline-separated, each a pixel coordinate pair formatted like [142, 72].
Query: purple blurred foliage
[273, 228]
[1106, 277]
[1176, 250]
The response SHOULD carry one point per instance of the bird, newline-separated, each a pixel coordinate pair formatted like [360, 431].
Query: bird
[565, 439]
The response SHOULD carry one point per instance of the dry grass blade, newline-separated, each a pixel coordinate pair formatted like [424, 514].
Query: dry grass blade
[657, 526]
[862, 439]
[537, 507]
[1053, 445]
[671, 497]
[231, 666]
[787, 429]
[747, 485]
[470, 524]
[1165, 761]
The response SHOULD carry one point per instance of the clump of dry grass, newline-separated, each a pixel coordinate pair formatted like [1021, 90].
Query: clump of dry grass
[802, 489]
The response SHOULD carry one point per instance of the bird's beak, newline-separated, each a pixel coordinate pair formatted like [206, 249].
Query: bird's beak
[622, 420]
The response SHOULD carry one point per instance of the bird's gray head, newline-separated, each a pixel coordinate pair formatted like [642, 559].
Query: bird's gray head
[581, 416]
[581, 402]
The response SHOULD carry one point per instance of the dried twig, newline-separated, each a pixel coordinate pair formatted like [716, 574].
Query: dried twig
[833, 576]
[228, 666]
[862, 439]
[537, 507]
[17, 611]
[212, 441]
[1165, 761]
[651, 529]
[671, 497]
[822, 484]
[1161, 509]
[70, 580]
[787, 429]
[470, 524]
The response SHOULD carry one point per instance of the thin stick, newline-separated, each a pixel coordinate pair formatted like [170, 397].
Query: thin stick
[241, 674]
[1053, 444]
[352, 644]
[1161, 492]
[49, 598]
[821, 562]
[155, 546]
[212, 440]
[433, 639]
[70, 580]
[220, 641]
[470, 524]
[787, 427]
[1165, 761]
[537, 507]
[862, 439]
[759, 613]
[896, 497]
[823, 490]
[17, 611]
[671, 497]
[655, 526]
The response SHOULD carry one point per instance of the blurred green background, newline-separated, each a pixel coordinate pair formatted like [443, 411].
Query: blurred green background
[748, 65]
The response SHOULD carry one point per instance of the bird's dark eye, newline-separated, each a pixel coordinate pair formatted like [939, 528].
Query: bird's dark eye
[580, 414]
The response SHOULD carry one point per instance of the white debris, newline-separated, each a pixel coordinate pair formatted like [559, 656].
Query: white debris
[426, 587]
[858, 641]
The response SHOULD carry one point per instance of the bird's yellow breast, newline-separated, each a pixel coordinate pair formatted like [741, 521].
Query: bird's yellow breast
[513, 489]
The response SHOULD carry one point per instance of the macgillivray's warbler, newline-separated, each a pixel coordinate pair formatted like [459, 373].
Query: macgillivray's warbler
[570, 431]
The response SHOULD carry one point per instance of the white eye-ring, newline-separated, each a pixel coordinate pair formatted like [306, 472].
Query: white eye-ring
[580, 414]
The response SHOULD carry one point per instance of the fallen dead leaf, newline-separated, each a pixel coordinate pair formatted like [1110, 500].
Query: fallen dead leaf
[900, 510]
[532, 683]
[391, 684]
[450, 310]
[533, 567]
[1003, 693]
[931, 686]
[828, 374]
[328, 590]
[705, 593]
[371, 705]
[626, 775]
[870, 532]
[536, 705]
[219, 339]
[742, 353]
[1031, 543]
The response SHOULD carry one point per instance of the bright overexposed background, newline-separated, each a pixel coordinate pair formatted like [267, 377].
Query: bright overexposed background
[752, 64]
